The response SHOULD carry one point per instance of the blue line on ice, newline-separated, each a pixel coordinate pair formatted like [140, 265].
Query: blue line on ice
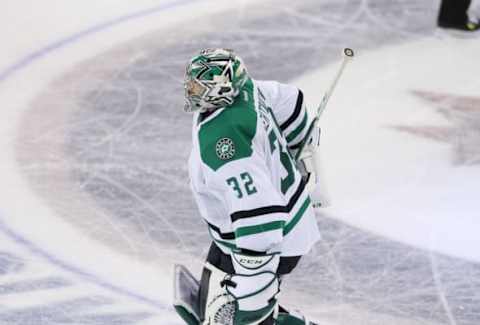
[36, 55]
[73, 269]
[24, 63]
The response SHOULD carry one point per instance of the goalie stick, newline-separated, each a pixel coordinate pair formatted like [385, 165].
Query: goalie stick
[348, 54]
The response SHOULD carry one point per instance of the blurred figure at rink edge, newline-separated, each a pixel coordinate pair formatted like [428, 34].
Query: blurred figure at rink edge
[453, 14]
[249, 189]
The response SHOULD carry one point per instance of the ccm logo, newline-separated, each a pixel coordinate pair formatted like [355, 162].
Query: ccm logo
[251, 262]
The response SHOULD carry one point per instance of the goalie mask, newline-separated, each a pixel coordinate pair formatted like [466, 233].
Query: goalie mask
[213, 79]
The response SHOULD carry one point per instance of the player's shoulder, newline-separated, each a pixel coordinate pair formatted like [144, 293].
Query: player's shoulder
[227, 134]
[275, 90]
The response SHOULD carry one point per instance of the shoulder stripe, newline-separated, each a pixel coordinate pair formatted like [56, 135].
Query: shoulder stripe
[272, 208]
[298, 143]
[296, 146]
[299, 129]
[296, 112]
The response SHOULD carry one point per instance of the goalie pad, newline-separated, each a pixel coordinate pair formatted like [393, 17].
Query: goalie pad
[286, 317]
[222, 308]
[237, 299]
[186, 295]
[254, 285]
[254, 296]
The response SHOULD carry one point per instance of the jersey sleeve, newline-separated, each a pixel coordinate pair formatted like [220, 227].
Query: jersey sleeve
[289, 109]
[256, 210]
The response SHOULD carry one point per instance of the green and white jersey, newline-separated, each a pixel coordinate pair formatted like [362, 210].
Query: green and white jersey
[243, 176]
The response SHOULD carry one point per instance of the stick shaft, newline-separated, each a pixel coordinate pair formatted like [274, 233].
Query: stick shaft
[347, 56]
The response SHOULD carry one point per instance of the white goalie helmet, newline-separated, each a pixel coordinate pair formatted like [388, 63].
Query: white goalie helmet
[213, 79]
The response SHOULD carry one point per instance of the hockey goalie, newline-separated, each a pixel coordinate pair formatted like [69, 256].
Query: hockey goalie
[251, 192]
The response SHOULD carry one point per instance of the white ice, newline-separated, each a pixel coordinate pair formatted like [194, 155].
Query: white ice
[399, 165]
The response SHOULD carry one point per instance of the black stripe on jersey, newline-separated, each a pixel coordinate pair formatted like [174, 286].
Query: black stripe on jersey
[299, 144]
[272, 208]
[296, 112]
[296, 146]
[226, 235]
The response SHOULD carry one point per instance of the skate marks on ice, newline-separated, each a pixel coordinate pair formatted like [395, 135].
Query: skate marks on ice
[383, 280]
[109, 141]
[10, 264]
[35, 293]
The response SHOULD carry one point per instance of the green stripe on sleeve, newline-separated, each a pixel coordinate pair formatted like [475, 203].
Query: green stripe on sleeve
[297, 217]
[298, 130]
[252, 230]
[274, 225]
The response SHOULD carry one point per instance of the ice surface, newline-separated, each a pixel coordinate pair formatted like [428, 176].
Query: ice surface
[106, 147]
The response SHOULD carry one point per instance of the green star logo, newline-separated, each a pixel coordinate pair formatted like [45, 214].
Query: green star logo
[225, 149]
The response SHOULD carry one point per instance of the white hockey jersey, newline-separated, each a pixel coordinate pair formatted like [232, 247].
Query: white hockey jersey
[243, 176]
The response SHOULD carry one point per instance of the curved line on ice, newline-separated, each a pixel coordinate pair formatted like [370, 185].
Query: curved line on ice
[38, 54]
[76, 270]
[25, 62]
